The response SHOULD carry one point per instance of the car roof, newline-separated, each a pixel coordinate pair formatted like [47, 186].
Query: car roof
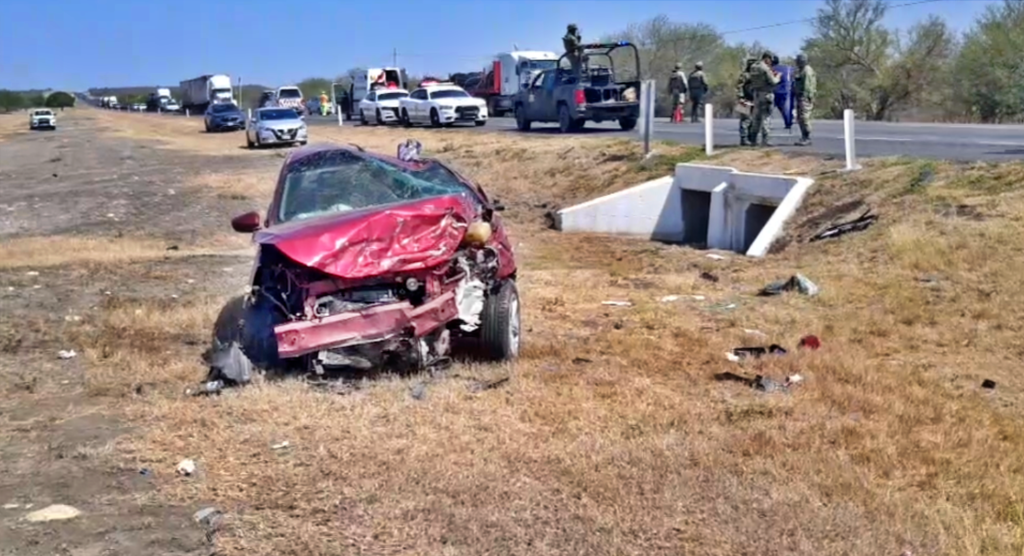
[379, 91]
[444, 87]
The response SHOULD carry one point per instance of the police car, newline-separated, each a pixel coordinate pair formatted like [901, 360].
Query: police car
[442, 103]
[381, 105]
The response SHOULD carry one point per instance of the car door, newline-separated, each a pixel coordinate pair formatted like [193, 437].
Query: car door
[538, 95]
[419, 105]
[368, 104]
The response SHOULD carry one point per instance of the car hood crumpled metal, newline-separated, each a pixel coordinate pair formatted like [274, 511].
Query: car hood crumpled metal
[392, 239]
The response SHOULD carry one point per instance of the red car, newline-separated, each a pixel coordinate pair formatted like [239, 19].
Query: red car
[366, 261]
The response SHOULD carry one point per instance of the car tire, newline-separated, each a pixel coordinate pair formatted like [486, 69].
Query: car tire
[380, 118]
[435, 118]
[243, 340]
[362, 117]
[248, 141]
[522, 123]
[627, 124]
[565, 121]
[480, 123]
[500, 323]
[405, 118]
[303, 143]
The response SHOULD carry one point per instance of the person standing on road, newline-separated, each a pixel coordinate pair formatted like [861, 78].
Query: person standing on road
[745, 97]
[805, 86]
[698, 86]
[572, 42]
[323, 103]
[763, 81]
[677, 93]
[784, 91]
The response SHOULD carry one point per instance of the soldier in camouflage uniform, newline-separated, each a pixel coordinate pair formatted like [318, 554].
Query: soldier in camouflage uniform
[677, 92]
[745, 94]
[763, 80]
[572, 42]
[698, 86]
[805, 86]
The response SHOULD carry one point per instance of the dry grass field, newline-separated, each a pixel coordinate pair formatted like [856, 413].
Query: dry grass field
[611, 436]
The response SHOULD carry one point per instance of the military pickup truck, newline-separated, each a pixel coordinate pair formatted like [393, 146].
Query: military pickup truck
[604, 85]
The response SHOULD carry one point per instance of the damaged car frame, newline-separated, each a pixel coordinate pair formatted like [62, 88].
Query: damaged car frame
[365, 261]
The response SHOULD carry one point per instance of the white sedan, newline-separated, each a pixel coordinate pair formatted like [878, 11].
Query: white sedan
[381, 105]
[442, 104]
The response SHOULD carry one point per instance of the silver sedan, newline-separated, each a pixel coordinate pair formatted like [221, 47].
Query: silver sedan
[275, 126]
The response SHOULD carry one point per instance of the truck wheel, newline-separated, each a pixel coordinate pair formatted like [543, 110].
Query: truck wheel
[565, 121]
[522, 124]
[435, 119]
[405, 118]
[627, 124]
[380, 119]
[500, 323]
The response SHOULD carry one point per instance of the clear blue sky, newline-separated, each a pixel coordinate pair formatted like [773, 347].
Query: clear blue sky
[76, 44]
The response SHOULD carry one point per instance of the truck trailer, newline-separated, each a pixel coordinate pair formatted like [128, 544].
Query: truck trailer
[199, 93]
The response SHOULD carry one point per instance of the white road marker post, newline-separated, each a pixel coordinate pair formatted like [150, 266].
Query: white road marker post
[647, 92]
[851, 139]
[186, 113]
[709, 129]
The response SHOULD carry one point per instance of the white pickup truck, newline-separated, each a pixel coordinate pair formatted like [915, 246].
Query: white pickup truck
[42, 118]
[442, 104]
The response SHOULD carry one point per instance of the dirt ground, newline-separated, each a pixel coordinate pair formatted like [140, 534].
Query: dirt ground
[611, 436]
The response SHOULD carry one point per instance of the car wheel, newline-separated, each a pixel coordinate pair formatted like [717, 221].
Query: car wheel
[565, 121]
[501, 324]
[435, 119]
[248, 141]
[380, 118]
[480, 123]
[362, 117]
[627, 124]
[303, 143]
[207, 124]
[522, 124]
[243, 339]
[405, 118]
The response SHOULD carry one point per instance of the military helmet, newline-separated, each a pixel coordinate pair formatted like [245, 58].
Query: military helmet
[766, 54]
[679, 66]
[571, 27]
[801, 58]
[699, 65]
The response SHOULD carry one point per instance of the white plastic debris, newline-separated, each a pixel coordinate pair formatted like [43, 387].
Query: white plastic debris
[53, 513]
[698, 297]
[187, 467]
[190, 281]
[72, 318]
[279, 446]
[715, 257]
[670, 298]
[753, 332]
[67, 354]
[32, 273]
[617, 303]
[174, 296]
[794, 379]
[11, 506]
[732, 357]
[469, 299]
[37, 286]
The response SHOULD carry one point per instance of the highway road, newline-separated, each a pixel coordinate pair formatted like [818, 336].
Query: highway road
[963, 142]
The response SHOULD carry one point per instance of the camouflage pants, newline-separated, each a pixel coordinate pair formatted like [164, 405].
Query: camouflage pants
[803, 115]
[744, 128]
[761, 123]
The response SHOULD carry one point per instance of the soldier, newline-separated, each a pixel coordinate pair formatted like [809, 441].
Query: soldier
[677, 92]
[698, 86]
[763, 81]
[571, 42]
[805, 86]
[744, 94]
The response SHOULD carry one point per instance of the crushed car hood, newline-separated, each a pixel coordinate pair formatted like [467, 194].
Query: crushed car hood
[379, 241]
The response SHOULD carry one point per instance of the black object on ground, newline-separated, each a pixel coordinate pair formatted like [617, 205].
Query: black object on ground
[988, 384]
[744, 352]
[858, 225]
[708, 276]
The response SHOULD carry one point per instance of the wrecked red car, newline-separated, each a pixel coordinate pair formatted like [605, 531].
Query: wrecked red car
[367, 261]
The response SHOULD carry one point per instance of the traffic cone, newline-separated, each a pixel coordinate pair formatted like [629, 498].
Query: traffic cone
[677, 115]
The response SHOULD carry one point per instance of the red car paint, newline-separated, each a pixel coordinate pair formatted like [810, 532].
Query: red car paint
[391, 242]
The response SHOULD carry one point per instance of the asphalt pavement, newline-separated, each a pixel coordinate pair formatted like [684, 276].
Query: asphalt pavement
[962, 142]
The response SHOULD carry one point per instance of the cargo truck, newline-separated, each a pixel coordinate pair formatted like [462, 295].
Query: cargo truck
[199, 93]
[508, 73]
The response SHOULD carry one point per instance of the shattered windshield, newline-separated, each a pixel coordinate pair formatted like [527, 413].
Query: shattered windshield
[337, 181]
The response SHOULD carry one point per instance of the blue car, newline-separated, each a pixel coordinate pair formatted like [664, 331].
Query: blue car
[224, 117]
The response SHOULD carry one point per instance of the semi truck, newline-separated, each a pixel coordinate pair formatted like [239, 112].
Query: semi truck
[199, 93]
[159, 99]
[508, 73]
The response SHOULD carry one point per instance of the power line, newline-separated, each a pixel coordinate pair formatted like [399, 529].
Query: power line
[812, 19]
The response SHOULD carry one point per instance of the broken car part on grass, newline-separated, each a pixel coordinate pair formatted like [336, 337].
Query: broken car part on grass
[857, 225]
[367, 262]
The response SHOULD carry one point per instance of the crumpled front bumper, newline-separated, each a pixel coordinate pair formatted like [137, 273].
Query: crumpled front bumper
[369, 325]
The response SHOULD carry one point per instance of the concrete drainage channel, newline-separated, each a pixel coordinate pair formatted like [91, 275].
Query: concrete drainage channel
[715, 206]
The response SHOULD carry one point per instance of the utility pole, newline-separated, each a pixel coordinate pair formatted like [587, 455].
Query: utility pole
[394, 57]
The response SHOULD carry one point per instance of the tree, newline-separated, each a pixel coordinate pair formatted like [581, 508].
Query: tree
[60, 99]
[11, 100]
[36, 100]
[990, 69]
[312, 86]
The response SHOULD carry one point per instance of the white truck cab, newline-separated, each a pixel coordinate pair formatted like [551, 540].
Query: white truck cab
[376, 78]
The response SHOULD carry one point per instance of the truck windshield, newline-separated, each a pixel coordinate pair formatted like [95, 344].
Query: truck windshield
[338, 181]
[218, 92]
[289, 93]
[448, 93]
[532, 65]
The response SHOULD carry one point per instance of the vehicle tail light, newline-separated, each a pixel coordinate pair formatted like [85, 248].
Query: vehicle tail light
[580, 98]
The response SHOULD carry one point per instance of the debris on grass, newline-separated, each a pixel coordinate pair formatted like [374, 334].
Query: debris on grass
[67, 354]
[55, 512]
[279, 445]
[482, 385]
[810, 342]
[715, 257]
[617, 303]
[669, 298]
[708, 277]
[857, 225]
[988, 384]
[419, 391]
[798, 282]
[186, 467]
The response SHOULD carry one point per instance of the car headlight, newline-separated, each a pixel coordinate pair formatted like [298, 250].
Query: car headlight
[446, 107]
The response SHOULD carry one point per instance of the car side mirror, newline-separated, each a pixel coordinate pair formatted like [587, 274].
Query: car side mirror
[246, 223]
